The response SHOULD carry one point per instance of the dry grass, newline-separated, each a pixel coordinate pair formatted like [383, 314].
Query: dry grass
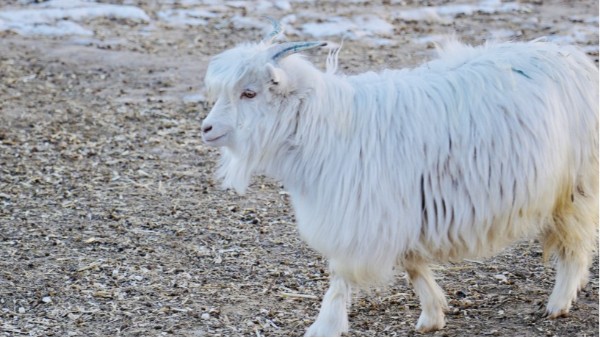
[111, 222]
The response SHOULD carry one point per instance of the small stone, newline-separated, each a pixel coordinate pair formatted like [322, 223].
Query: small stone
[47, 299]
[21, 309]
[466, 303]
[501, 278]
[205, 316]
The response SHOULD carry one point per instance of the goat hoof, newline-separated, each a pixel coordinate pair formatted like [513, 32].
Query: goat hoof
[554, 314]
[558, 307]
[319, 329]
[429, 323]
[315, 331]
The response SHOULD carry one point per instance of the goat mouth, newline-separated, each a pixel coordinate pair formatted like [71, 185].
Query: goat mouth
[214, 139]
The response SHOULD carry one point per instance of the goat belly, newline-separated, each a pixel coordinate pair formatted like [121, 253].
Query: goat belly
[361, 252]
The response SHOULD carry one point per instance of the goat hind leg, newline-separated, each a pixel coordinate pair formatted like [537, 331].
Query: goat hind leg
[431, 297]
[572, 239]
[571, 272]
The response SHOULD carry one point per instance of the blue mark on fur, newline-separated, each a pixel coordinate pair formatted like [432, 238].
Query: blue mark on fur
[520, 72]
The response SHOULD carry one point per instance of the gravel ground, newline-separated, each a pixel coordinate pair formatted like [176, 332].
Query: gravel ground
[111, 222]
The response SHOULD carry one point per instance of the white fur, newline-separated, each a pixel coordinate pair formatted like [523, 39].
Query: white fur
[333, 317]
[457, 158]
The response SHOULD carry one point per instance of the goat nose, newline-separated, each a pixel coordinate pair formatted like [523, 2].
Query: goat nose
[207, 128]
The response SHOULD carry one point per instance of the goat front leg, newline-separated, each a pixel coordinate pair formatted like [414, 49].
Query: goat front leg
[333, 316]
[431, 296]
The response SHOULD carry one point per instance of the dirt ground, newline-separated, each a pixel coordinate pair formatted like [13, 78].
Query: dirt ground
[111, 222]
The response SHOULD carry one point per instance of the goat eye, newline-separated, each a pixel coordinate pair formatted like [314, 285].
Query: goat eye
[248, 94]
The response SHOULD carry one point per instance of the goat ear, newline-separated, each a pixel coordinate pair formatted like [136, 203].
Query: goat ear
[277, 76]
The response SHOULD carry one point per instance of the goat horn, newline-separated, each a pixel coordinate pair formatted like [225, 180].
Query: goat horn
[277, 30]
[284, 49]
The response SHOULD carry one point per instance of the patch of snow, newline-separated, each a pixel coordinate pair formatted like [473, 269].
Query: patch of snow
[583, 34]
[185, 3]
[382, 42]
[283, 5]
[427, 39]
[429, 14]
[194, 98]
[244, 22]
[374, 24]
[289, 19]
[59, 17]
[446, 13]
[82, 10]
[353, 28]
[333, 26]
[79, 41]
[590, 49]
[59, 28]
[257, 6]
[577, 34]
[287, 24]
[182, 17]
[238, 4]
[503, 34]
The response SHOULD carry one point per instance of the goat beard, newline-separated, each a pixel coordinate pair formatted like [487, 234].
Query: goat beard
[235, 171]
[263, 153]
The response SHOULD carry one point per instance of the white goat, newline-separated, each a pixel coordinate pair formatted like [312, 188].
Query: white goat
[455, 159]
